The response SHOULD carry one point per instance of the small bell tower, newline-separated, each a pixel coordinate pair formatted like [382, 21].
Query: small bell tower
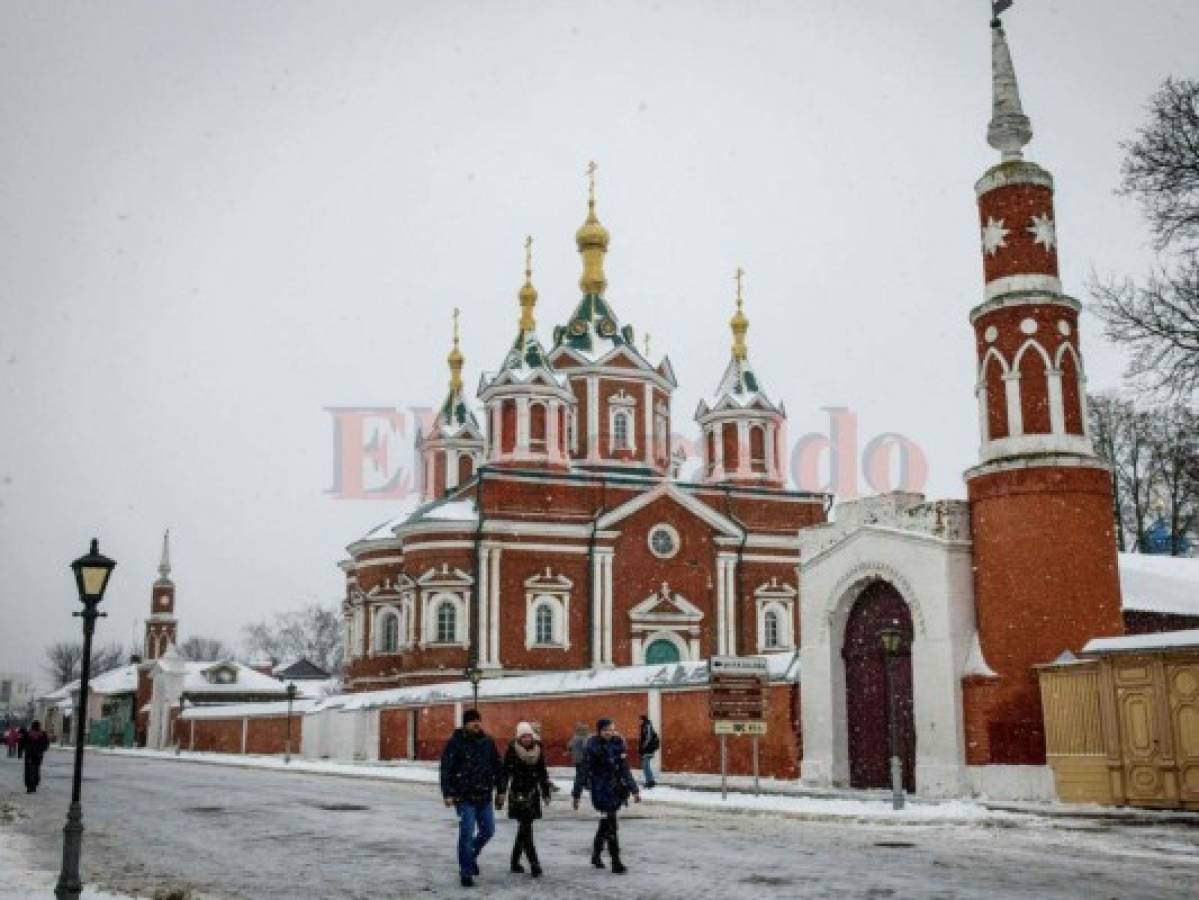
[742, 428]
[161, 624]
[452, 450]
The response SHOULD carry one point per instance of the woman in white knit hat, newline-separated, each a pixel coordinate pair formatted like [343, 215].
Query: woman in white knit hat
[526, 784]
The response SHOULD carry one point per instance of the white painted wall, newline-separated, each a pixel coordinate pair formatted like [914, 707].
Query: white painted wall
[927, 560]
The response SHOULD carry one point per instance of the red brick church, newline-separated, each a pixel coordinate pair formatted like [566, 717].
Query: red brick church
[556, 534]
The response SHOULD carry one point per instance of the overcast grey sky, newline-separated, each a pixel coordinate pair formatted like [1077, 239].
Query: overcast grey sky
[218, 219]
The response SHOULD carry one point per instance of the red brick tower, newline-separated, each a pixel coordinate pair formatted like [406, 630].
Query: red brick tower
[161, 626]
[742, 428]
[1041, 502]
[528, 403]
[453, 448]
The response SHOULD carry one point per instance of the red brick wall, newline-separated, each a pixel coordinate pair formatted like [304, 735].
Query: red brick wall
[434, 725]
[515, 567]
[270, 735]
[1015, 205]
[1045, 581]
[637, 572]
[218, 735]
[557, 717]
[688, 744]
[393, 734]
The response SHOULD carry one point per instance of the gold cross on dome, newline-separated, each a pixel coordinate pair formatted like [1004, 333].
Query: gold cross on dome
[528, 255]
[455, 326]
[737, 277]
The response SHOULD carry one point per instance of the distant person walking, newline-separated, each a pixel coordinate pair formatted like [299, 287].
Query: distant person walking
[647, 745]
[605, 771]
[35, 743]
[524, 784]
[577, 747]
[21, 732]
[470, 770]
[11, 738]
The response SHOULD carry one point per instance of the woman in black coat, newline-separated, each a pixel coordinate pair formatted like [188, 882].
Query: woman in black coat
[524, 783]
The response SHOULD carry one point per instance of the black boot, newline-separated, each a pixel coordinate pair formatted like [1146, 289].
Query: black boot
[618, 868]
[534, 863]
[597, 847]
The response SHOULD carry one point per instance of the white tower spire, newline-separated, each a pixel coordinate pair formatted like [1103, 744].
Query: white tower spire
[1009, 130]
[164, 566]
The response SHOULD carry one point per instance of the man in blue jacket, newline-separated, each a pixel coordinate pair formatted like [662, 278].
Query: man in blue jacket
[470, 771]
[605, 772]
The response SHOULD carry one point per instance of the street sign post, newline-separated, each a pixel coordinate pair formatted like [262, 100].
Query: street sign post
[737, 692]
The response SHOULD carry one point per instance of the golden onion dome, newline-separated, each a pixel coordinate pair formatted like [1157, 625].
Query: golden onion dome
[739, 323]
[455, 360]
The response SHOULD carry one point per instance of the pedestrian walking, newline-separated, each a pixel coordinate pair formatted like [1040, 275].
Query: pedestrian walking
[647, 745]
[11, 739]
[524, 784]
[35, 744]
[605, 771]
[577, 747]
[470, 770]
[21, 732]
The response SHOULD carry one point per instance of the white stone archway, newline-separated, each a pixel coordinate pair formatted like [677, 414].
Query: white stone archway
[930, 568]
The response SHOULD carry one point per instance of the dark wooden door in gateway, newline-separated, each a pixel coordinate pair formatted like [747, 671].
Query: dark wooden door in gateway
[878, 606]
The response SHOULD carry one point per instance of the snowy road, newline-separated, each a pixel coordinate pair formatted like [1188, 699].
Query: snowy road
[235, 833]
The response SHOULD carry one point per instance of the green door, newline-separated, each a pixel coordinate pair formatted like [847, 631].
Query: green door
[661, 651]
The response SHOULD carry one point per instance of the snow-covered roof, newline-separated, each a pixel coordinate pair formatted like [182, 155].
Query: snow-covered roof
[241, 710]
[739, 388]
[1132, 643]
[1160, 584]
[117, 681]
[247, 680]
[781, 666]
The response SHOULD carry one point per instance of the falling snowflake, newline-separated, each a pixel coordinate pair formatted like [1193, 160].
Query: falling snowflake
[994, 236]
[1042, 231]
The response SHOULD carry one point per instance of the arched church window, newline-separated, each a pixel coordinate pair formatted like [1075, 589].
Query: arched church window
[757, 448]
[391, 633]
[711, 451]
[447, 622]
[537, 426]
[545, 624]
[661, 651]
[771, 628]
[620, 431]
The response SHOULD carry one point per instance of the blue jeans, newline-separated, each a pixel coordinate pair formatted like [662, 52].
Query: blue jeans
[471, 815]
[646, 770]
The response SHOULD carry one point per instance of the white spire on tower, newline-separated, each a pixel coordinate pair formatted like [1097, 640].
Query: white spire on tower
[1009, 130]
[164, 566]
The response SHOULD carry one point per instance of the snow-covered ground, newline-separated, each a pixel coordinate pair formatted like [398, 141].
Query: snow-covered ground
[157, 827]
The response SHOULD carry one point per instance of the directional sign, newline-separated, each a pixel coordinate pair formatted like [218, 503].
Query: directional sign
[724, 726]
[737, 688]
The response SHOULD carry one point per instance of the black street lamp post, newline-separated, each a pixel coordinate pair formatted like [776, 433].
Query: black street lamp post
[291, 696]
[91, 579]
[891, 639]
[474, 674]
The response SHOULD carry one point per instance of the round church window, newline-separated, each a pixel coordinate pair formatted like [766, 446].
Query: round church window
[663, 541]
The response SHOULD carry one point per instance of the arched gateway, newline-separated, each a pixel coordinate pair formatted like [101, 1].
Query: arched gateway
[878, 606]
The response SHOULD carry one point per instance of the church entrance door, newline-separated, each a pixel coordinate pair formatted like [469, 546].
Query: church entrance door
[878, 606]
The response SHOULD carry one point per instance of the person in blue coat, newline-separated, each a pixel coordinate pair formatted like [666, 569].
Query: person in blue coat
[605, 772]
[470, 771]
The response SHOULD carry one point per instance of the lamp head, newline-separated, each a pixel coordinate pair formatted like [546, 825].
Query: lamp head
[891, 639]
[92, 573]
